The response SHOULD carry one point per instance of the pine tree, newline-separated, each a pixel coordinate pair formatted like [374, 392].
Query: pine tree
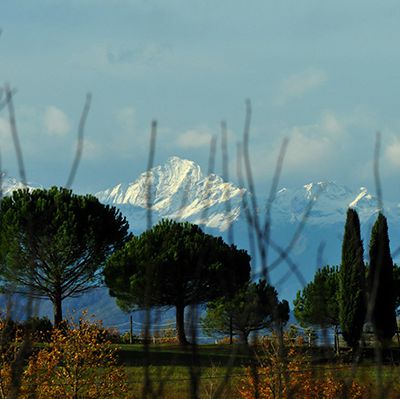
[317, 303]
[380, 283]
[352, 305]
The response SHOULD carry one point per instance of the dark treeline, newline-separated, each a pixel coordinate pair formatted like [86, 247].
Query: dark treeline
[356, 297]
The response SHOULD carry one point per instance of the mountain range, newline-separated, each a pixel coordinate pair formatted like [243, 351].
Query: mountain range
[179, 190]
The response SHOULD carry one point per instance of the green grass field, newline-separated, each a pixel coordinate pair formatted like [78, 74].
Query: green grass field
[169, 369]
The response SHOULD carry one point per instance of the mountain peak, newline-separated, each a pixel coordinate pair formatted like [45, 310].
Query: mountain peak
[179, 190]
[175, 160]
[10, 184]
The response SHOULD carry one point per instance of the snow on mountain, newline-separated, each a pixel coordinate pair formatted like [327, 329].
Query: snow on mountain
[329, 203]
[179, 190]
[9, 184]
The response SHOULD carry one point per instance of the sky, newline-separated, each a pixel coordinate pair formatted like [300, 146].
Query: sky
[325, 75]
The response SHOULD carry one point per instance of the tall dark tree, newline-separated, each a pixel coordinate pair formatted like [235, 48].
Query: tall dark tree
[352, 302]
[396, 281]
[254, 307]
[381, 289]
[317, 303]
[53, 243]
[175, 264]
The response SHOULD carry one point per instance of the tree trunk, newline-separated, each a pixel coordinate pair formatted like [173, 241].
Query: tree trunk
[180, 324]
[57, 308]
[244, 337]
[336, 338]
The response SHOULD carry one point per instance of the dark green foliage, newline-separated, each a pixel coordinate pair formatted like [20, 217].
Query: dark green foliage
[352, 306]
[317, 302]
[254, 307]
[396, 284]
[54, 243]
[40, 328]
[175, 264]
[381, 289]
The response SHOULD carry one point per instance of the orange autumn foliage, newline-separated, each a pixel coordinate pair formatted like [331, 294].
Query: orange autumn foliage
[78, 363]
[287, 372]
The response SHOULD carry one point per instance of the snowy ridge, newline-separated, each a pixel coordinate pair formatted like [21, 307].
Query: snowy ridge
[9, 184]
[179, 190]
[329, 203]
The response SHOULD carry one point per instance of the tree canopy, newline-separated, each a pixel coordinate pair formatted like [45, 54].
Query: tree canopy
[316, 303]
[53, 243]
[351, 296]
[254, 307]
[381, 287]
[175, 264]
[396, 282]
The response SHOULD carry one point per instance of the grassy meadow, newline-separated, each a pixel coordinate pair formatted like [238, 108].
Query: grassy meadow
[169, 370]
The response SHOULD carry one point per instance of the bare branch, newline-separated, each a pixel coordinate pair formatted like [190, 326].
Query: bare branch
[79, 143]
[14, 133]
[150, 163]
[225, 174]
[378, 186]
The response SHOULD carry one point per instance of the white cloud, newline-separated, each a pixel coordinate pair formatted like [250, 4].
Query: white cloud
[4, 128]
[307, 150]
[91, 150]
[194, 139]
[325, 149]
[310, 144]
[55, 121]
[393, 152]
[126, 119]
[5, 135]
[297, 85]
[331, 125]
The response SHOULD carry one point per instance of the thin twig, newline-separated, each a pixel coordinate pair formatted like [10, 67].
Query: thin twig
[150, 163]
[271, 199]
[14, 133]
[80, 141]
[4, 103]
[148, 384]
[225, 175]
[377, 178]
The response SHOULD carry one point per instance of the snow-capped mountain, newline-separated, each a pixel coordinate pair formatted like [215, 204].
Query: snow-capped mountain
[9, 184]
[179, 190]
[329, 202]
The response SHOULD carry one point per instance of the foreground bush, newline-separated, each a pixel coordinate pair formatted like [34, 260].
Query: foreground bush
[79, 362]
[287, 372]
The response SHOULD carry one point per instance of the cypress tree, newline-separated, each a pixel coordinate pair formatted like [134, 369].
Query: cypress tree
[352, 307]
[381, 304]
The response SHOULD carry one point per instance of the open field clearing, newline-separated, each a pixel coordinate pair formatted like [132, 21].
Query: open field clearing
[170, 373]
